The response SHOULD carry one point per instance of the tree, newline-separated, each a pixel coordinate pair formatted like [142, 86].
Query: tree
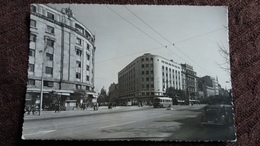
[172, 93]
[219, 99]
[80, 94]
[113, 95]
[224, 52]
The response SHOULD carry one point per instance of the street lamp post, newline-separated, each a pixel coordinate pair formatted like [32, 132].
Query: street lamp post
[41, 96]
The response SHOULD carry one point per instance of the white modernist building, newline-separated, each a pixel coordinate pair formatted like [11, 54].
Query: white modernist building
[148, 76]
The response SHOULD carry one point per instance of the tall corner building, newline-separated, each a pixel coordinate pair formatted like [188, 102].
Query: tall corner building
[62, 51]
[148, 76]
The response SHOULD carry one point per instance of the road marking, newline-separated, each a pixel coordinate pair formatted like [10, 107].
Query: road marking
[117, 125]
[40, 132]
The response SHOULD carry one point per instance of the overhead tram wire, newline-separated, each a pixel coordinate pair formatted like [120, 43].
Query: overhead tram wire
[147, 24]
[135, 26]
[155, 31]
[199, 35]
[143, 32]
[161, 47]
[129, 54]
[166, 39]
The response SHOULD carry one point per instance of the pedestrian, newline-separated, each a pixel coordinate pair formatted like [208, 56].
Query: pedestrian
[43, 106]
[57, 107]
[33, 109]
[95, 107]
[28, 109]
[111, 105]
[83, 106]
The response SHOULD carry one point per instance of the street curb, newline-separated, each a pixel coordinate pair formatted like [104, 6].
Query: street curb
[85, 114]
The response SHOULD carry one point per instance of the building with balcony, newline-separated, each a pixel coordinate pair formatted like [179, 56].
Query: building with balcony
[148, 76]
[62, 51]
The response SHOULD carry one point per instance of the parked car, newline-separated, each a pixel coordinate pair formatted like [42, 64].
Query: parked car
[219, 114]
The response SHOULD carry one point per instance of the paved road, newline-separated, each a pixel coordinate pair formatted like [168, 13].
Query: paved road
[148, 123]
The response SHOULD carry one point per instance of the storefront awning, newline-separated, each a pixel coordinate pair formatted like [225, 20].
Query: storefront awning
[59, 92]
[37, 90]
[65, 94]
[93, 94]
[64, 91]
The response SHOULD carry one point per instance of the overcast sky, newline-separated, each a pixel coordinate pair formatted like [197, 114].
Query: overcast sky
[126, 32]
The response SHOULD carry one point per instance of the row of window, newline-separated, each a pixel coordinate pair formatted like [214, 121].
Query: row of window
[166, 68]
[147, 59]
[49, 29]
[170, 64]
[147, 86]
[51, 84]
[78, 76]
[79, 42]
[80, 87]
[177, 86]
[79, 53]
[147, 93]
[49, 42]
[147, 72]
[79, 65]
[56, 17]
[49, 56]
[143, 93]
[50, 15]
[148, 79]
[45, 83]
[49, 70]
[147, 65]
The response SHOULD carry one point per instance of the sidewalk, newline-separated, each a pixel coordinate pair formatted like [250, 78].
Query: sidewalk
[79, 112]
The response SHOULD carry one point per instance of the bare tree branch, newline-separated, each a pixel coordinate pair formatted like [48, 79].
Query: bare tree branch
[224, 52]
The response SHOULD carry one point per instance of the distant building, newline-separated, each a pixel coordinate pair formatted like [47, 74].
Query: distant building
[67, 49]
[148, 76]
[113, 92]
[189, 81]
[223, 92]
[208, 85]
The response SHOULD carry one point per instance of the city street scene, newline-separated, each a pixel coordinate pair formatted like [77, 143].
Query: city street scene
[128, 72]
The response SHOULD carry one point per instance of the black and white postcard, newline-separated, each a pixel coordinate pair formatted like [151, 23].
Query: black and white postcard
[128, 72]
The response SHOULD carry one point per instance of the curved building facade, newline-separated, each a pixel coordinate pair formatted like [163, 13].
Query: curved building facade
[148, 76]
[62, 51]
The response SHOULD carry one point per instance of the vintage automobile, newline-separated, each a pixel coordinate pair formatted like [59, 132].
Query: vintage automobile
[218, 114]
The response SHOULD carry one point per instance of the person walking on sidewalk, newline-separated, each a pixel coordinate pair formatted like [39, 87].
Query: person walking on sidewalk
[95, 106]
[57, 107]
[33, 109]
[110, 106]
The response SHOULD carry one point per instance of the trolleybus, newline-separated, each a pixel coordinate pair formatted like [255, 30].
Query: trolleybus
[162, 102]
